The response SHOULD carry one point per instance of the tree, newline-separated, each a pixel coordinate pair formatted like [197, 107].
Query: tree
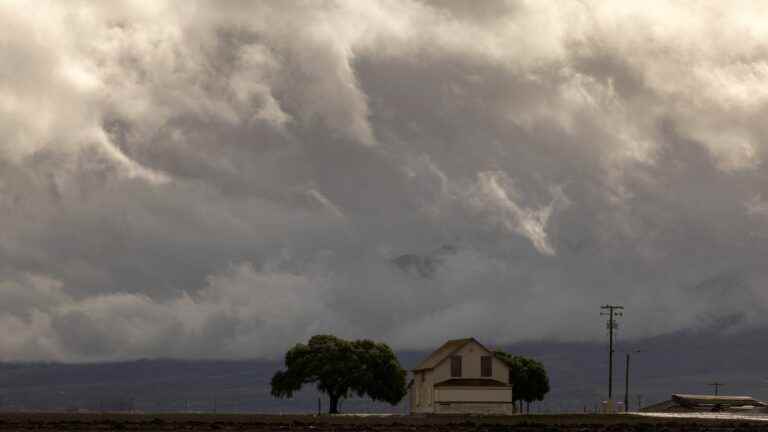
[528, 377]
[538, 382]
[339, 367]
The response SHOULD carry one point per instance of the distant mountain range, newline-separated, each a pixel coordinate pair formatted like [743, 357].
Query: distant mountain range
[679, 363]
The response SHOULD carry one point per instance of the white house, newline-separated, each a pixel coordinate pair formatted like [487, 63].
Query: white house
[462, 376]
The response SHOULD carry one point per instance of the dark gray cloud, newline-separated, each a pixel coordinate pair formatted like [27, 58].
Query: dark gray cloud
[223, 179]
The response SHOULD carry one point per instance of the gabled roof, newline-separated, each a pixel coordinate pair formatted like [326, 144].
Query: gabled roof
[443, 352]
[688, 399]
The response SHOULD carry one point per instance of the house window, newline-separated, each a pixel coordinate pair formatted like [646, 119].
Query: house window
[486, 366]
[455, 366]
[423, 376]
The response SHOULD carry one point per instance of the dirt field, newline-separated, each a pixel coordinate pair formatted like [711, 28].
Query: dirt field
[241, 422]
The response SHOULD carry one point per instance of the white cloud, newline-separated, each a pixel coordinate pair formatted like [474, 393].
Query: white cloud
[493, 196]
[563, 152]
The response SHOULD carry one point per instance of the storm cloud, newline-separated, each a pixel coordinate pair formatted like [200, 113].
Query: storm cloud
[224, 179]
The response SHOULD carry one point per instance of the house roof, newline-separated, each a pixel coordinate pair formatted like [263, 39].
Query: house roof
[688, 399]
[693, 403]
[443, 352]
[502, 359]
[471, 382]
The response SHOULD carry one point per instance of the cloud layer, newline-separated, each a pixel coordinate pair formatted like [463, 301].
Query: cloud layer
[208, 179]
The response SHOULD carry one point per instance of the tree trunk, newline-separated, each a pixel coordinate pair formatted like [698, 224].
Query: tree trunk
[333, 407]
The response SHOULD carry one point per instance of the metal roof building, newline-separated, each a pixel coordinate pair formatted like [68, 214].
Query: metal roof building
[705, 403]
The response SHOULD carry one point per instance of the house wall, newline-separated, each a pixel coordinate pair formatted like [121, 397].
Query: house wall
[474, 408]
[470, 365]
[473, 394]
[423, 392]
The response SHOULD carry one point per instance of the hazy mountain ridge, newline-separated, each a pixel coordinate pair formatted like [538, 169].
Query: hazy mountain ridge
[679, 363]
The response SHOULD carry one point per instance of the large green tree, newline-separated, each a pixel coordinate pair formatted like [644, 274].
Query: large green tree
[528, 377]
[339, 368]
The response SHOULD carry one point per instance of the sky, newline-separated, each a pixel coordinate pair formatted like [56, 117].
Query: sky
[201, 179]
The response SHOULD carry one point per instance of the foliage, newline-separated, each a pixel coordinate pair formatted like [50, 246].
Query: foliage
[528, 377]
[339, 367]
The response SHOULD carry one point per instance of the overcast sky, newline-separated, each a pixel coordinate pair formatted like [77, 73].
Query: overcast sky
[228, 178]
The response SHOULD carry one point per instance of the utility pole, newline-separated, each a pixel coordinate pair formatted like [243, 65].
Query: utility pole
[716, 385]
[612, 311]
[639, 402]
[626, 385]
[626, 381]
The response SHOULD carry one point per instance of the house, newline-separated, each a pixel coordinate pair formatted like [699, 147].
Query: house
[462, 376]
[704, 403]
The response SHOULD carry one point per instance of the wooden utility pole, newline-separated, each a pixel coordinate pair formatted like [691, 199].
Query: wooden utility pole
[626, 381]
[612, 311]
[716, 385]
[626, 385]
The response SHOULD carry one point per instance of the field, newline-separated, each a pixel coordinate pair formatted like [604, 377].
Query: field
[257, 422]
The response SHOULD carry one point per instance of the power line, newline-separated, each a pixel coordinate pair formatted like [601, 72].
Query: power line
[612, 311]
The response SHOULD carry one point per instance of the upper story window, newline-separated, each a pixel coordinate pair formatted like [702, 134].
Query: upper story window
[455, 366]
[486, 366]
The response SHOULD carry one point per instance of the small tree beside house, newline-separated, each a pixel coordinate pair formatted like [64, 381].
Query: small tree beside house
[529, 378]
[339, 368]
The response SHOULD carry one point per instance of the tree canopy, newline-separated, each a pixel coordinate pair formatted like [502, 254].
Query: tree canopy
[340, 368]
[528, 377]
